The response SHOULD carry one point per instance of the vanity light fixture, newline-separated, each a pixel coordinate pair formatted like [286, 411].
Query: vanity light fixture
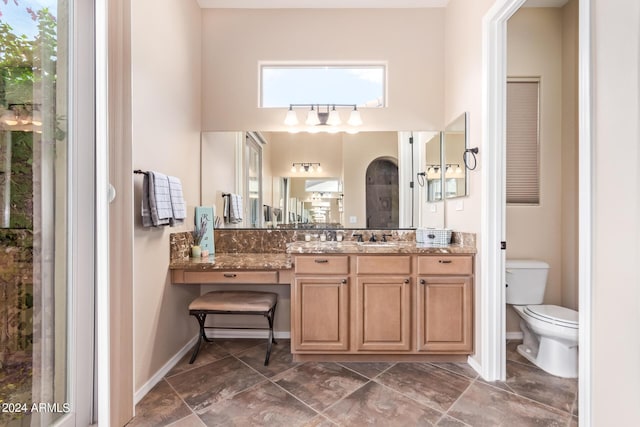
[306, 167]
[450, 171]
[324, 115]
[22, 116]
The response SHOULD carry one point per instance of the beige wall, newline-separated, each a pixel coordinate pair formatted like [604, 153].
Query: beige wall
[615, 382]
[234, 41]
[570, 188]
[165, 116]
[534, 49]
[463, 92]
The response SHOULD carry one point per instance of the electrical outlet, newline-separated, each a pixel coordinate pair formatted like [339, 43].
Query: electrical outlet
[353, 220]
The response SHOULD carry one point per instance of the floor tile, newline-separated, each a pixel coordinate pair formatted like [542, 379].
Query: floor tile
[160, 407]
[485, 406]
[281, 358]
[209, 352]
[191, 421]
[534, 383]
[375, 404]
[425, 383]
[369, 370]
[238, 345]
[263, 405]
[320, 385]
[320, 421]
[573, 422]
[513, 355]
[200, 387]
[459, 368]
[447, 421]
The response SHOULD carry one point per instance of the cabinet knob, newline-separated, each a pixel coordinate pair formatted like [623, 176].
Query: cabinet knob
[343, 281]
[406, 281]
[445, 261]
[422, 281]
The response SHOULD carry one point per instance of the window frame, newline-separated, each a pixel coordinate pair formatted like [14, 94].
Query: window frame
[329, 64]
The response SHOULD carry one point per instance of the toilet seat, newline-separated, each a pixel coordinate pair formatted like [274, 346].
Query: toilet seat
[553, 314]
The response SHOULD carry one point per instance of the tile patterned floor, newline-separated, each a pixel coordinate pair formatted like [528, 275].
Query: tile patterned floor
[228, 385]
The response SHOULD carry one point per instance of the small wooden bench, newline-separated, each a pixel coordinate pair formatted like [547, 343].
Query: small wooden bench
[233, 302]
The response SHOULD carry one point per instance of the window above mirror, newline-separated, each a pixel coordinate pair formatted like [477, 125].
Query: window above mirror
[284, 84]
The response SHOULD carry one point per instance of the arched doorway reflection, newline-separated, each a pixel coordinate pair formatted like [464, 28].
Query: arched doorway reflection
[382, 194]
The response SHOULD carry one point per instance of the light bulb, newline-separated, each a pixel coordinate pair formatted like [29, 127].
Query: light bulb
[310, 168]
[292, 118]
[312, 118]
[293, 168]
[334, 118]
[458, 171]
[354, 118]
[319, 168]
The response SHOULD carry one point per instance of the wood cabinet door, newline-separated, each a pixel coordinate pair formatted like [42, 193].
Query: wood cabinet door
[320, 314]
[445, 314]
[383, 313]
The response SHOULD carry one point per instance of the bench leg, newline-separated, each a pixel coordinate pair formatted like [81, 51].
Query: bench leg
[270, 315]
[201, 317]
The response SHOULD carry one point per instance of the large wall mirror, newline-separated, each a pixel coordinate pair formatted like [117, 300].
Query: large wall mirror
[317, 180]
[453, 168]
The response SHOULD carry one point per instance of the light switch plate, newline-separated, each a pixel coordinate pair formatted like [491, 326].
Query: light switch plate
[353, 220]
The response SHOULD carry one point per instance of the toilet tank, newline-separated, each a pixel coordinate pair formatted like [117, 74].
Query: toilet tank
[526, 280]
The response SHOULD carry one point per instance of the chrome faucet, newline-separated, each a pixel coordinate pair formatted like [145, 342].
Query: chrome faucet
[373, 238]
[358, 235]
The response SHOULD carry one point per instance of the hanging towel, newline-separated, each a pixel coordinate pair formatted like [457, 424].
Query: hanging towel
[178, 206]
[146, 210]
[159, 199]
[232, 208]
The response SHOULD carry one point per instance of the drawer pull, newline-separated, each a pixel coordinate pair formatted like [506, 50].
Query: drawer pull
[321, 261]
[445, 261]
[230, 275]
[423, 282]
[344, 281]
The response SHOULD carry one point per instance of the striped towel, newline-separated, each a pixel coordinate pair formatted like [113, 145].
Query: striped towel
[160, 199]
[178, 206]
[233, 209]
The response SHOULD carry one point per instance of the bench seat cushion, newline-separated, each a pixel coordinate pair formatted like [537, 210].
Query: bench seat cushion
[234, 301]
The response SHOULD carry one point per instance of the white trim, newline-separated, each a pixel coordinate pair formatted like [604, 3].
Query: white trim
[514, 336]
[474, 364]
[586, 173]
[313, 4]
[103, 330]
[162, 372]
[492, 295]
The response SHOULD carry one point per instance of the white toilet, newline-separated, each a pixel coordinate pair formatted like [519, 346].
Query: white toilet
[550, 332]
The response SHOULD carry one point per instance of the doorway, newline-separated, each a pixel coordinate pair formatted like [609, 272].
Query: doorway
[492, 329]
[382, 195]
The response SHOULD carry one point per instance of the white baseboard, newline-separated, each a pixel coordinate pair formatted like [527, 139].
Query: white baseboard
[514, 335]
[474, 364]
[217, 333]
[160, 374]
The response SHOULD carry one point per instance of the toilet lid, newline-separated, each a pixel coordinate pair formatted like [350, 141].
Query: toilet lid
[554, 314]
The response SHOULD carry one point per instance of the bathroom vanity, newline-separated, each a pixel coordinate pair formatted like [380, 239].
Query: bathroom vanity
[360, 301]
[399, 301]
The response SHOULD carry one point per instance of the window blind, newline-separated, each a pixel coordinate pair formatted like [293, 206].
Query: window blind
[523, 151]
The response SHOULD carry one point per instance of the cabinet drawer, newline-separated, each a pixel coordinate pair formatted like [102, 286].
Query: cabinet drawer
[445, 264]
[322, 264]
[383, 264]
[245, 277]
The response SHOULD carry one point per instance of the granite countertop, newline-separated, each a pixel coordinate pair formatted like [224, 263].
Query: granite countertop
[396, 247]
[235, 261]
